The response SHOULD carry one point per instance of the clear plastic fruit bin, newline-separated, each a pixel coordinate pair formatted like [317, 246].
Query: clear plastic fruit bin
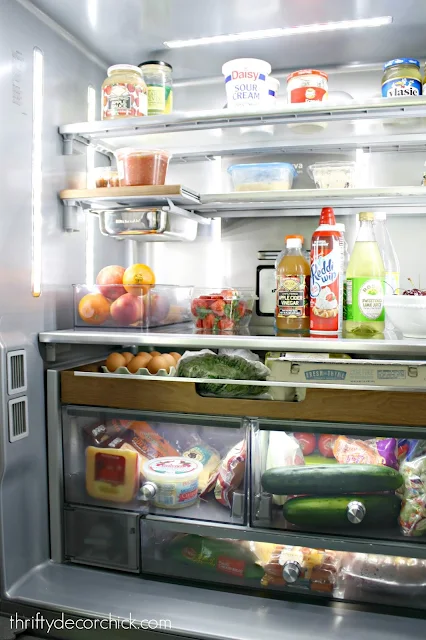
[333, 175]
[217, 310]
[112, 305]
[407, 314]
[262, 176]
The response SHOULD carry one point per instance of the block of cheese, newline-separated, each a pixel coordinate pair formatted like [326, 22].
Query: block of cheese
[112, 474]
[208, 457]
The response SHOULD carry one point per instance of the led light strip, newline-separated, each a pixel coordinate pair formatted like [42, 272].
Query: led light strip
[281, 32]
[36, 170]
[90, 165]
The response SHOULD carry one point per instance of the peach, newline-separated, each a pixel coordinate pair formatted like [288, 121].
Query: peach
[158, 307]
[112, 275]
[127, 310]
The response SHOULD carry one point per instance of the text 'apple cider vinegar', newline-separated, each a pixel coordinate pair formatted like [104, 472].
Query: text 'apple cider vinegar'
[292, 306]
[327, 276]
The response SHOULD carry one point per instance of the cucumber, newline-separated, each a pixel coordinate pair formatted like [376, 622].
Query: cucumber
[314, 458]
[331, 511]
[333, 479]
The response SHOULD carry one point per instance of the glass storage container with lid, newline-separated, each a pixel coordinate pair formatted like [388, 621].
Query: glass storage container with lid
[124, 93]
[402, 78]
[158, 77]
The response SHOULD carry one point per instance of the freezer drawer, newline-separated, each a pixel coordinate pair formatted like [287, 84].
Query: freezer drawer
[369, 483]
[280, 569]
[176, 465]
[102, 538]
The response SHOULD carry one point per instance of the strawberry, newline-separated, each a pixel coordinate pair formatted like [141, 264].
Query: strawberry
[241, 309]
[225, 324]
[218, 307]
[199, 324]
[209, 321]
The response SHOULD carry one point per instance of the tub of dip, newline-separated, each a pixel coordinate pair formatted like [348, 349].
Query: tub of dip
[138, 167]
[176, 481]
[246, 82]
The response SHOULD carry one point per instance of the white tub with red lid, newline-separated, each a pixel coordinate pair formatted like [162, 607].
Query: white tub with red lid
[176, 481]
[307, 85]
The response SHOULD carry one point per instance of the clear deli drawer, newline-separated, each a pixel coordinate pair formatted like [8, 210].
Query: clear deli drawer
[182, 466]
[343, 483]
[281, 569]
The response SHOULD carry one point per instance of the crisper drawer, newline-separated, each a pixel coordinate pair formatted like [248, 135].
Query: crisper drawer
[285, 399]
[226, 559]
[103, 538]
[182, 466]
[352, 481]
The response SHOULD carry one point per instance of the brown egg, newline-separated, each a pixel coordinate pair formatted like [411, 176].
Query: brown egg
[176, 356]
[139, 362]
[114, 361]
[169, 359]
[127, 356]
[157, 363]
[155, 353]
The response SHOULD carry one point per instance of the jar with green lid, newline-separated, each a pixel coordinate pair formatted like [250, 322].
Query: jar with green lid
[158, 78]
[402, 78]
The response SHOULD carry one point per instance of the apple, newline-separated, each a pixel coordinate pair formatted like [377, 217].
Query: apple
[307, 441]
[325, 445]
[127, 310]
[113, 276]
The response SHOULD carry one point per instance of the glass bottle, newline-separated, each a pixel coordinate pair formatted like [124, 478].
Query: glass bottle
[365, 313]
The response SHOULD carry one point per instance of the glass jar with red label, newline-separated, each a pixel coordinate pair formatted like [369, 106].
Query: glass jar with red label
[307, 85]
[124, 93]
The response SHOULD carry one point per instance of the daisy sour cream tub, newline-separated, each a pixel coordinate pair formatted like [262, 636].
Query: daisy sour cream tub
[246, 82]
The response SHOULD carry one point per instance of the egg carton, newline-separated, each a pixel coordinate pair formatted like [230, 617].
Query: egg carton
[142, 372]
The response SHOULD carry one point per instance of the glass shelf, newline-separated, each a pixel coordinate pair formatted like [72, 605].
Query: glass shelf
[375, 125]
[258, 338]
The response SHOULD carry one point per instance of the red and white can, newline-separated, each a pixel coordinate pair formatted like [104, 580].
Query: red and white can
[326, 286]
[307, 85]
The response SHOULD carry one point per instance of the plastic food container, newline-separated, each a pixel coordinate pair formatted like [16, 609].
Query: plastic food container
[142, 167]
[111, 305]
[273, 88]
[176, 481]
[307, 85]
[263, 176]
[106, 177]
[407, 314]
[246, 82]
[218, 310]
[333, 175]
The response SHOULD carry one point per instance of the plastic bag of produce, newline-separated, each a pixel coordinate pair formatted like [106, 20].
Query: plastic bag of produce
[220, 556]
[377, 451]
[206, 364]
[283, 451]
[413, 512]
[229, 475]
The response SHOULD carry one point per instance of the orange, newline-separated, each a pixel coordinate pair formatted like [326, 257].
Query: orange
[94, 308]
[138, 274]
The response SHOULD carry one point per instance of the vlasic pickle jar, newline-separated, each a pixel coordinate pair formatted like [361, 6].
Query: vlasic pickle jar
[402, 78]
[158, 78]
[124, 93]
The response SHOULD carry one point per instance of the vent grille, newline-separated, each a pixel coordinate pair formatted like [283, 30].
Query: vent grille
[16, 372]
[18, 419]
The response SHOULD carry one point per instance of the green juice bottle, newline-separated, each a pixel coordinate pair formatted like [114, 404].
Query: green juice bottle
[365, 312]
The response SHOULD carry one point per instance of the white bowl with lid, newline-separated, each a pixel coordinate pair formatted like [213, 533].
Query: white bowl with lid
[175, 480]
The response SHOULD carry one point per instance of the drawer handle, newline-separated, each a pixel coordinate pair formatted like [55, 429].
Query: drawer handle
[356, 512]
[291, 572]
[147, 491]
